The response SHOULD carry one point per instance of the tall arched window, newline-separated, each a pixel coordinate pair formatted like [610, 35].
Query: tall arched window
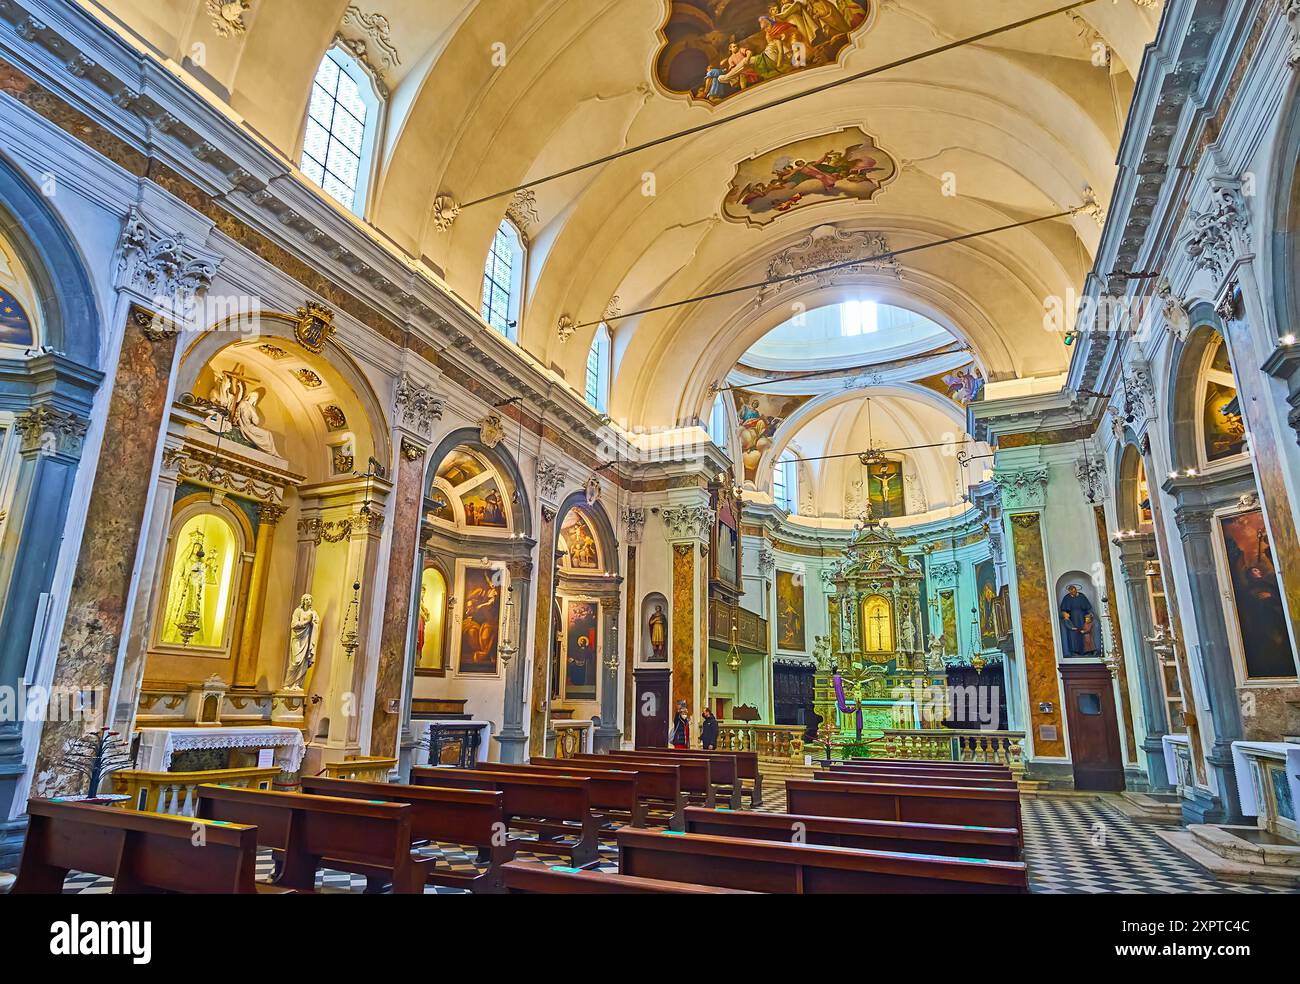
[503, 280]
[598, 370]
[342, 124]
[785, 482]
[720, 423]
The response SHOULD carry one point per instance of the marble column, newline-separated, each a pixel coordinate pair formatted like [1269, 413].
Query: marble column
[683, 626]
[1155, 709]
[395, 650]
[1196, 527]
[607, 736]
[269, 515]
[1117, 640]
[513, 739]
[1038, 632]
[98, 601]
[537, 716]
[631, 615]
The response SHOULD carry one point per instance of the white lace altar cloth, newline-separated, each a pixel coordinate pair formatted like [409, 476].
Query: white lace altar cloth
[158, 745]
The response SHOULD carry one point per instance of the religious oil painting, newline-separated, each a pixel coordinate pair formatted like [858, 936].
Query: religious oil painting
[430, 628]
[484, 506]
[581, 552]
[15, 325]
[885, 483]
[844, 166]
[480, 621]
[1221, 420]
[790, 629]
[581, 660]
[761, 415]
[460, 467]
[994, 625]
[948, 615]
[715, 49]
[1265, 646]
[440, 505]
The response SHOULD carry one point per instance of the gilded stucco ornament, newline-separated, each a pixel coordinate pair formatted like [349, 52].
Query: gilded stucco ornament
[315, 327]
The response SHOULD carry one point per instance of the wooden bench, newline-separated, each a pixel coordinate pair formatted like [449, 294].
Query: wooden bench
[696, 775]
[522, 878]
[913, 778]
[802, 869]
[724, 772]
[658, 786]
[948, 840]
[961, 805]
[616, 794]
[141, 852]
[746, 768]
[551, 805]
[314, 832]
[903, 770]
[452, 816]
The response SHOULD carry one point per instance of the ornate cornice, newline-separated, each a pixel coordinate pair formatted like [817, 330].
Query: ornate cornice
[163, 267]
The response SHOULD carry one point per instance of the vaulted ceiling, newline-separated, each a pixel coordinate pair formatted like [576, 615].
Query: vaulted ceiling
[489, 94]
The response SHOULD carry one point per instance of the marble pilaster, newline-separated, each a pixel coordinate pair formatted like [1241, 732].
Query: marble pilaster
[542, 633]
[513, 739]
[1155, 710]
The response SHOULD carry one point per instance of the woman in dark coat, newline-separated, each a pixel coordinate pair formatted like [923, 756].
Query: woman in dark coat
[681, 736]
[709, 731]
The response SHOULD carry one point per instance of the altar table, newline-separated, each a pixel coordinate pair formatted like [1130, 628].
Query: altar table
[158, 745]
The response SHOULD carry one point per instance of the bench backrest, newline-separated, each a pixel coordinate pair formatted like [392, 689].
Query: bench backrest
[722, 769]
[352, 830]
[536, 878]
[746, 762]
[454, 816]
[139, 851]
[653, 780]
[961, 805]
[768, 866]
[607, 790]
[561, 797]
[992, 843]
[923, 764]
[696, 774]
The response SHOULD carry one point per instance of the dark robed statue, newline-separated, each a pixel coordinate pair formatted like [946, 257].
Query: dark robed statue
[1076, 614]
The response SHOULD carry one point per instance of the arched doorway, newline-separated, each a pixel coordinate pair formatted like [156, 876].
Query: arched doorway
[466, 650]
[50, 331]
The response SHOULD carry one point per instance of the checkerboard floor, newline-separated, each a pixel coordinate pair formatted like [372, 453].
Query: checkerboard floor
[1073, 845]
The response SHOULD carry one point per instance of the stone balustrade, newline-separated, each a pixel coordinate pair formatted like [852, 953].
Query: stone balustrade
[953, 745]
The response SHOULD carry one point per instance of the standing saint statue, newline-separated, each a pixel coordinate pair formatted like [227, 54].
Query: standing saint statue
[907, 631]
[304, 629]
[1076, 610]
[659, 633]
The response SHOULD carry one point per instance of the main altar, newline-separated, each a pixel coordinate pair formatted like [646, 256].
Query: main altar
[875, 672]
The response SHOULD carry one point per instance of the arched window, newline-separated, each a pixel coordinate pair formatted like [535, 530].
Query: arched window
[598, 370]
[785, 482]
[342, 124]
[720, 423]
[503, 281]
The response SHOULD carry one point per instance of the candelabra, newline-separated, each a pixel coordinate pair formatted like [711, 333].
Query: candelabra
[509, 644]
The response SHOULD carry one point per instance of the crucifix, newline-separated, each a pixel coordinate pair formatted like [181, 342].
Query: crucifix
[876, 636]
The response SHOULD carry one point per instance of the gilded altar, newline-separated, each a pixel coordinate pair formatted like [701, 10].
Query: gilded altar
[887, 677]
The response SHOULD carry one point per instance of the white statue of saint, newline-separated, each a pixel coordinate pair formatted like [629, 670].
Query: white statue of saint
[249, 421]
[303, 632]
[908, 632]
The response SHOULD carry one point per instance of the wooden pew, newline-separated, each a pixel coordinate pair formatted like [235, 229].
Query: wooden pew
[723, 769]
[746, 768]
[522, 878]
[658, 786]
[948, 840]
[142, 852]
[453, 816]
[615, 793]
[696, 774]
[902, 770]
[314, 832]
[551, 805]
[802, 869]
[913, 778]
[977, 806]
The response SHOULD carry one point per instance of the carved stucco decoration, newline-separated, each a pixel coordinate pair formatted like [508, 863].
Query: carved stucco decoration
[1177, 319]
[417, 406]
[1023, 488]
[550, 479]
[163, 266]
[945, 575]
[49, 430]
[634, 523]
[827, 246]
[688, 522]
[227, 16]
[1221, 233]
[565, 328]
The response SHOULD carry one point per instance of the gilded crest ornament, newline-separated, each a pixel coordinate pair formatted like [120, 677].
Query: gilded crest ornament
[315, 327]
